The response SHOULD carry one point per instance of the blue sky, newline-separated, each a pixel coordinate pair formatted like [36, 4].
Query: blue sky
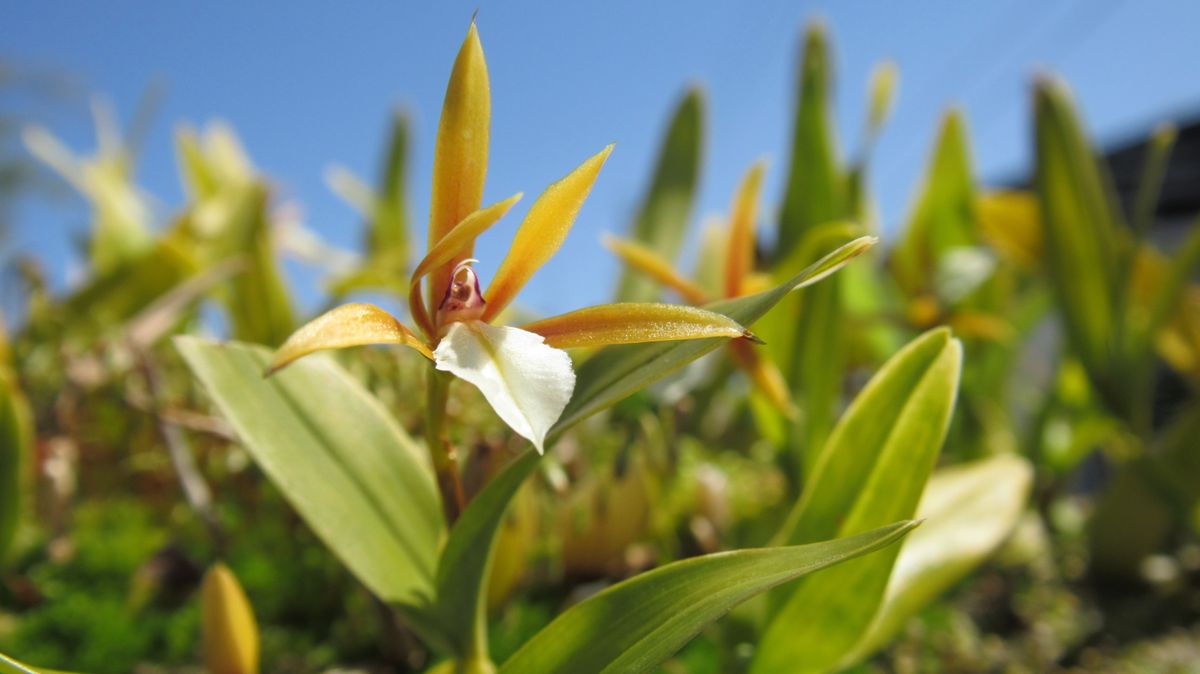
[307, 85]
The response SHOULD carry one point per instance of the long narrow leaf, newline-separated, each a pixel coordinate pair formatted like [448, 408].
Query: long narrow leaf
[460, 606]
[618, 371]
[633, 626]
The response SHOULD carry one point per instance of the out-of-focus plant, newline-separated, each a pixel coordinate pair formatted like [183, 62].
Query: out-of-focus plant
[385, 211]
[1117, 298]
[16, 449]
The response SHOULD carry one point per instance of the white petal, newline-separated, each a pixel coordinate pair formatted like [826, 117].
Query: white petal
[525, 381]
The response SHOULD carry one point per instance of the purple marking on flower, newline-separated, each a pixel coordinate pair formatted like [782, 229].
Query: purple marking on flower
[463, 300]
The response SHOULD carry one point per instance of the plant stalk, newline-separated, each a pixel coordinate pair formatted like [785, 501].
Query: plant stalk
[441, 451]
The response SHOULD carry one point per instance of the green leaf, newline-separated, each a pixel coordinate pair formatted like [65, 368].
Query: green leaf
[966, 512]
[461, 604]
[634, 625]
[815, 191]
[259, 307]
[116, 296]
[663, 217]
[339, 458]
[871, 471]
[1081, 240]
[16, 454]
[10, 666]
[944, 215]
[617, 371]
[388, 233]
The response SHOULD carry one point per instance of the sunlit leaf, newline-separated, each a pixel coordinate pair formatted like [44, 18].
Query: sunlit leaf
[872, 470]
[462, 568]
[662, 220]
[632, 323]
[943, 218]
[542, 232]
[339, 458]
[815, 191]
[636, 624]
[967, 511]
[1082, 247]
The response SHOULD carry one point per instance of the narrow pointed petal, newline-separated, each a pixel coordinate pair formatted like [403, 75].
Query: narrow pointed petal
[656, 267]
[461, 152]
[354, 324]
[739, 261]
[527, 382]
[450, 247]
[765, 376]
[543, 231]
[635, 322]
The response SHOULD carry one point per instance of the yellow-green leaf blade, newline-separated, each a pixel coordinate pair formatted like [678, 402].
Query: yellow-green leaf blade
[872, 469]
[663, 217]
[633, 626]
[361, 484]
[966, 512]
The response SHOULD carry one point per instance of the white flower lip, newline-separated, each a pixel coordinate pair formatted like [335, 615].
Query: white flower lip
[527, 382]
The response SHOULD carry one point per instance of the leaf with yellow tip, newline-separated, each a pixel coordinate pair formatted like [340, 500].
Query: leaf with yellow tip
[230, 631]
[461, 152]
[635, 323]
[543, 231]
[652, 264]
[739, 260]
[461, 238]
[885, 80]
[355, 324]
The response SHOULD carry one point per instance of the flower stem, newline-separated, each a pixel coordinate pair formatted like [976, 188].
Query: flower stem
[441, 451]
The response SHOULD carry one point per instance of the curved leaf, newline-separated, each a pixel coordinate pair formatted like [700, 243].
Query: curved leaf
[634, 625]
[339, 458]
[966, 512]
[871, 471]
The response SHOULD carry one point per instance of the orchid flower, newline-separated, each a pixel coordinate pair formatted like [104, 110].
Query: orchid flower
[739, 279]
[523, 373]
